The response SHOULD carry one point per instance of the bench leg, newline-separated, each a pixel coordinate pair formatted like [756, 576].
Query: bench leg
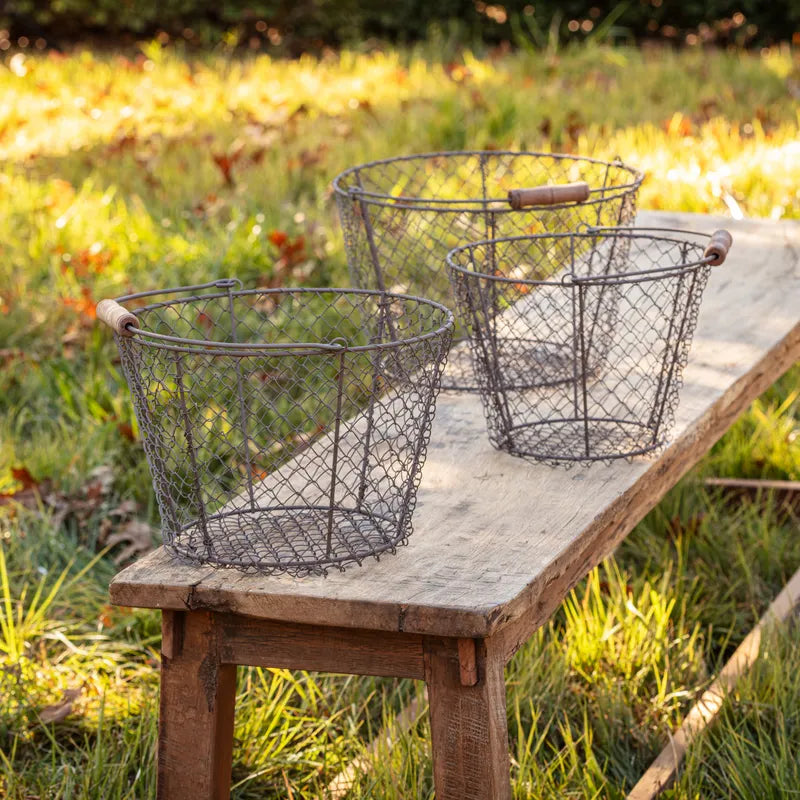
[469, 731]
[195, 729]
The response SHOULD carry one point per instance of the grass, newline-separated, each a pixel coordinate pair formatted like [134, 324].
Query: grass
[752, 753]
[159, 168]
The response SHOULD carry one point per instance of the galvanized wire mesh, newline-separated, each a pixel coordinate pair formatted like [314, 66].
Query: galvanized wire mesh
[285, 429]
[401, 216]
[579, 340]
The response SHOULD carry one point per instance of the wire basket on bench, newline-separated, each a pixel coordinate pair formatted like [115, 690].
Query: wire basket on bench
[285, 429]
[401, 216]
[614, 308]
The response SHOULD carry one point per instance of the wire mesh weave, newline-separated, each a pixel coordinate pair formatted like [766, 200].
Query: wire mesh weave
[401, 216]
[579, 340]
[285, 429]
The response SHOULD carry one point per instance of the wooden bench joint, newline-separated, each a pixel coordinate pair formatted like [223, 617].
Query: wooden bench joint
[467, 662]
[172, 626]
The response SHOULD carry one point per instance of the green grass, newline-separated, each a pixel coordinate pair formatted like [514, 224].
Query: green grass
[109, 183]
[752, 751]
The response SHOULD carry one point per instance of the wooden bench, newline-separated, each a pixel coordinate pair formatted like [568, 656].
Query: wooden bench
[497, 545]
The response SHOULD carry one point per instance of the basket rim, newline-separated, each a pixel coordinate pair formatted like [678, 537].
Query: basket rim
[569, 279]
[240, 349]
[475, 203]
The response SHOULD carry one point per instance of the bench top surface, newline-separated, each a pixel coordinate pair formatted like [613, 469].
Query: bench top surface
[496, 537]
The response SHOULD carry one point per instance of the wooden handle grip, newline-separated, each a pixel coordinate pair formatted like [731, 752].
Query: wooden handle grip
[549, 195]
[116, 317]
[718, 246]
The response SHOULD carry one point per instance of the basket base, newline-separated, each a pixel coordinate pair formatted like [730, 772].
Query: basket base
[298, 540]
[459, 375]
[536, 364]
[563, 442]
[523, 364]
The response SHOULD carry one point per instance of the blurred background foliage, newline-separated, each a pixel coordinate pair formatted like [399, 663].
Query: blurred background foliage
[295, 26]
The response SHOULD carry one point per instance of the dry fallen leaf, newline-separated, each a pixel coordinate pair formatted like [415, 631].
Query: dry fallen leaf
[29, 492]
[103, 477]
[61, 710]
[125, 508]
[137, 536]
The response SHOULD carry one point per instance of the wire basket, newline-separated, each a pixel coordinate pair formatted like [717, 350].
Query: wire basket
[285, 429]
[615, 309]
[401, 216]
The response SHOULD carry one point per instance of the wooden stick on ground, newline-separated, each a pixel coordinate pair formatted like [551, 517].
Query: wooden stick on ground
[662, 771]
[753, 483]
[342, 783]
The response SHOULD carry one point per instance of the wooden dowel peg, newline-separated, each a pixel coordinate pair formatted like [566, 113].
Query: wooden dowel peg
[117, 318]
[718, 246]
[467, 662]
[550, 195]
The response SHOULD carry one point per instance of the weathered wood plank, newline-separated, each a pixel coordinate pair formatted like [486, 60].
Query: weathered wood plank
[498, 542]
[469, 729]
[756, 484]
[195, 732]
[263, 643]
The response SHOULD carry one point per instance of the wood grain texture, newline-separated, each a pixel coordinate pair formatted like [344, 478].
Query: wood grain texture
[718, 246]
[195, 730]
[662, 771]
[469, 729]
[756, 484]
[262, 643]
[549, 195]
[172, 623]
[116, 317]
[498, 542]
[467, 662]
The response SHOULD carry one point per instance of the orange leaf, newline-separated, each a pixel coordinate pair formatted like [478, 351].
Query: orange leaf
[29, 492]
[84, 305]
[225, 167]
[24, 477]
[226, 162]
[205, 321]
[106, 616]
[126, 431]
[678, 125]
[295, 251]
[278, 238]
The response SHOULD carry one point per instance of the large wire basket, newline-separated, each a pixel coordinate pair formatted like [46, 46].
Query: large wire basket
[613, 309]
[401, 216]
[285, 429]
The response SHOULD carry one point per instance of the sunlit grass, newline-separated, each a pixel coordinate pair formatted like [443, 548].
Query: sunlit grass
[161, 168]
[752, 750]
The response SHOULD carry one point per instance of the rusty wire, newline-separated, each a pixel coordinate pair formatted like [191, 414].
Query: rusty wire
[400, 216]
[285, 429]
[579, 340]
